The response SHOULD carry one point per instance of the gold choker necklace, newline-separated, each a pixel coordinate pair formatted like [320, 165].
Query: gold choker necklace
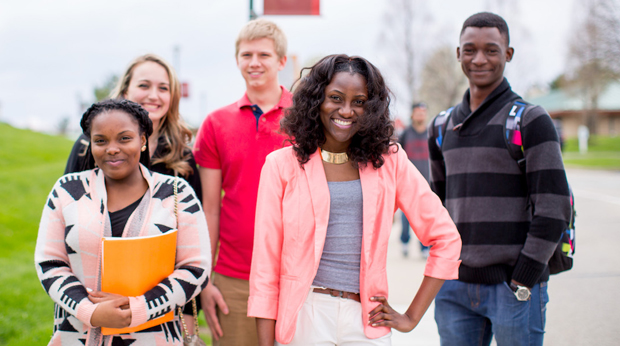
[335, 158]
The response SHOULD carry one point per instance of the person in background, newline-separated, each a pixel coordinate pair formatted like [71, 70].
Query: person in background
[324, 216]
[151, 82]
[230, 148]
[414, 140]
[119, 198]
[510, 220]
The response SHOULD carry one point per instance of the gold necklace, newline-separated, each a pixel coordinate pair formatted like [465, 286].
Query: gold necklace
[335, 158]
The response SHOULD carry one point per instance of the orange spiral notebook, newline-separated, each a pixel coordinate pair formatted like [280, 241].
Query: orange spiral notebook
[132, 266]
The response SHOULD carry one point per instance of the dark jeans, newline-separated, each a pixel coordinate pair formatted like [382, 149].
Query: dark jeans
[470, 314]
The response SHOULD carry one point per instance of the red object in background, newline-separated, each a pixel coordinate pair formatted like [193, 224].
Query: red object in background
[292, 7]
[184, 89]
[399, 126]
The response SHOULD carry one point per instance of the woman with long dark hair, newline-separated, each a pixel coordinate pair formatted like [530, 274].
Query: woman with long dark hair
[324, 215]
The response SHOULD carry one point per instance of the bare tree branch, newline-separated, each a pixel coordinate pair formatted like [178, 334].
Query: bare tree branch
[443, 82]
[593, 54]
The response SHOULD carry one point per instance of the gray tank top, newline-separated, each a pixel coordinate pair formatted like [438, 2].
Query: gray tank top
[339, 267]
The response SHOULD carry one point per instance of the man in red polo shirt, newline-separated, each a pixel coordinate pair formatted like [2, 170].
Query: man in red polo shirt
[230, 149]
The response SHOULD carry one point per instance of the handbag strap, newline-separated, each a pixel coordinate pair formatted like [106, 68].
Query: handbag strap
[194, 308]
[195, 311]
[176, 199]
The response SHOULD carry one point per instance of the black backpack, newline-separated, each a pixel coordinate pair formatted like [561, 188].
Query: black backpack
[562, 258]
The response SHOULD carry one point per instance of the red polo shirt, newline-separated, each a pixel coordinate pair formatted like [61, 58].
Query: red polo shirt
[233, 140]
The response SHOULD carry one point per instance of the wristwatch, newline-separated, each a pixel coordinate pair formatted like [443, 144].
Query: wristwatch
[521, 292]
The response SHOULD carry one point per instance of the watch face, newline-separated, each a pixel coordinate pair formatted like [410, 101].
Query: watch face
[522, 294]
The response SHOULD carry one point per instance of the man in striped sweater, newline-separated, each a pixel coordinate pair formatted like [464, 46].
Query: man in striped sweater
[510, 221]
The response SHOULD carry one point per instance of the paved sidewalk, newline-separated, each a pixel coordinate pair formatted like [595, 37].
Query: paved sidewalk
[584, 307]
[425, 334]
[404, 277]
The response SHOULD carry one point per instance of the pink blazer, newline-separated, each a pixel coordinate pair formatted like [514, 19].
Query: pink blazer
[291, 224]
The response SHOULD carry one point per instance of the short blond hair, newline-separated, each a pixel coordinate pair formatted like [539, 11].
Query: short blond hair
[263, 28]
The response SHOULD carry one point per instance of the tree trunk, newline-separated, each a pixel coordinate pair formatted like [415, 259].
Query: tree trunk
[592, 115]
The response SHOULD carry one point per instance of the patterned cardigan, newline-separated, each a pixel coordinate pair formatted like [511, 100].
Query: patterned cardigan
[68, 256]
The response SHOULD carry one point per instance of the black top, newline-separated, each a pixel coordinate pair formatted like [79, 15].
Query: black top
[78, 162]
[118, 219]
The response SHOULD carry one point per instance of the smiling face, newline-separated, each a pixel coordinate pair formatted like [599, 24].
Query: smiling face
[483, 54]
[259, 63]
[345, 97]
[116, 144]
[150, 87]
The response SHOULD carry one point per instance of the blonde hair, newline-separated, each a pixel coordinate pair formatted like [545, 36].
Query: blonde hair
[172, 127]
[263, 28]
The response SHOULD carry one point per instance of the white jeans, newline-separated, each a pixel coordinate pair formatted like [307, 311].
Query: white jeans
[327, 321]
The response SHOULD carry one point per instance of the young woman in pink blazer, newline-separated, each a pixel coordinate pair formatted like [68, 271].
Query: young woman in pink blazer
[324, 215]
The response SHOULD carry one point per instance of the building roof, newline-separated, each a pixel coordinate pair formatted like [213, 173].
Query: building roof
[561, 100]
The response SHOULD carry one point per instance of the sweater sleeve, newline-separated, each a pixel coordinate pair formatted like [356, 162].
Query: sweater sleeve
[549, 195]
[192, 267]
[52, 261]
[266, 256]
[437, 164]
[429, 220]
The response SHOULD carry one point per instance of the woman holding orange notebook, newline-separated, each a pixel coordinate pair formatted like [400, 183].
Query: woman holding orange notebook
[151, 81]
[119, 198]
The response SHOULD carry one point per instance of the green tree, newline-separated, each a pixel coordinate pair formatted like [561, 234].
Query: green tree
[63, 126]
[560, 82]
[103, 91]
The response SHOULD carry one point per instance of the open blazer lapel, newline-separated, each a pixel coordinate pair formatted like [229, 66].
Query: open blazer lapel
[319, 193]
[369, 178]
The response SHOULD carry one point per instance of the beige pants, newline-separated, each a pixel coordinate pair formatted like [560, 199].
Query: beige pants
[238, 328]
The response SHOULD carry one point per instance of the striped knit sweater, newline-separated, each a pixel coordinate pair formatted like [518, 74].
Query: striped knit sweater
[510, 222]
[68, 256]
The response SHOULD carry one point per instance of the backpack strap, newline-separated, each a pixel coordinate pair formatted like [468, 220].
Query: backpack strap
[512, 132]
[562, 258]
[440, 124]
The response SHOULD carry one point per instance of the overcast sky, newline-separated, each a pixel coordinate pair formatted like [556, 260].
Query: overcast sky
[53, 53]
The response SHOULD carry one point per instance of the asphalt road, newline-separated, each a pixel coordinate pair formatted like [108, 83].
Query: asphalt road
[584, 307]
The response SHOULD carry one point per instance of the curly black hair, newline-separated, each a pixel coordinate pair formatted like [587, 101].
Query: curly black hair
[131, 108]
[302, 121]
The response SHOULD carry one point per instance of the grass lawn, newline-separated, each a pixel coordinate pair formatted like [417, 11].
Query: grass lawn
[603, 153]
[31, 163]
